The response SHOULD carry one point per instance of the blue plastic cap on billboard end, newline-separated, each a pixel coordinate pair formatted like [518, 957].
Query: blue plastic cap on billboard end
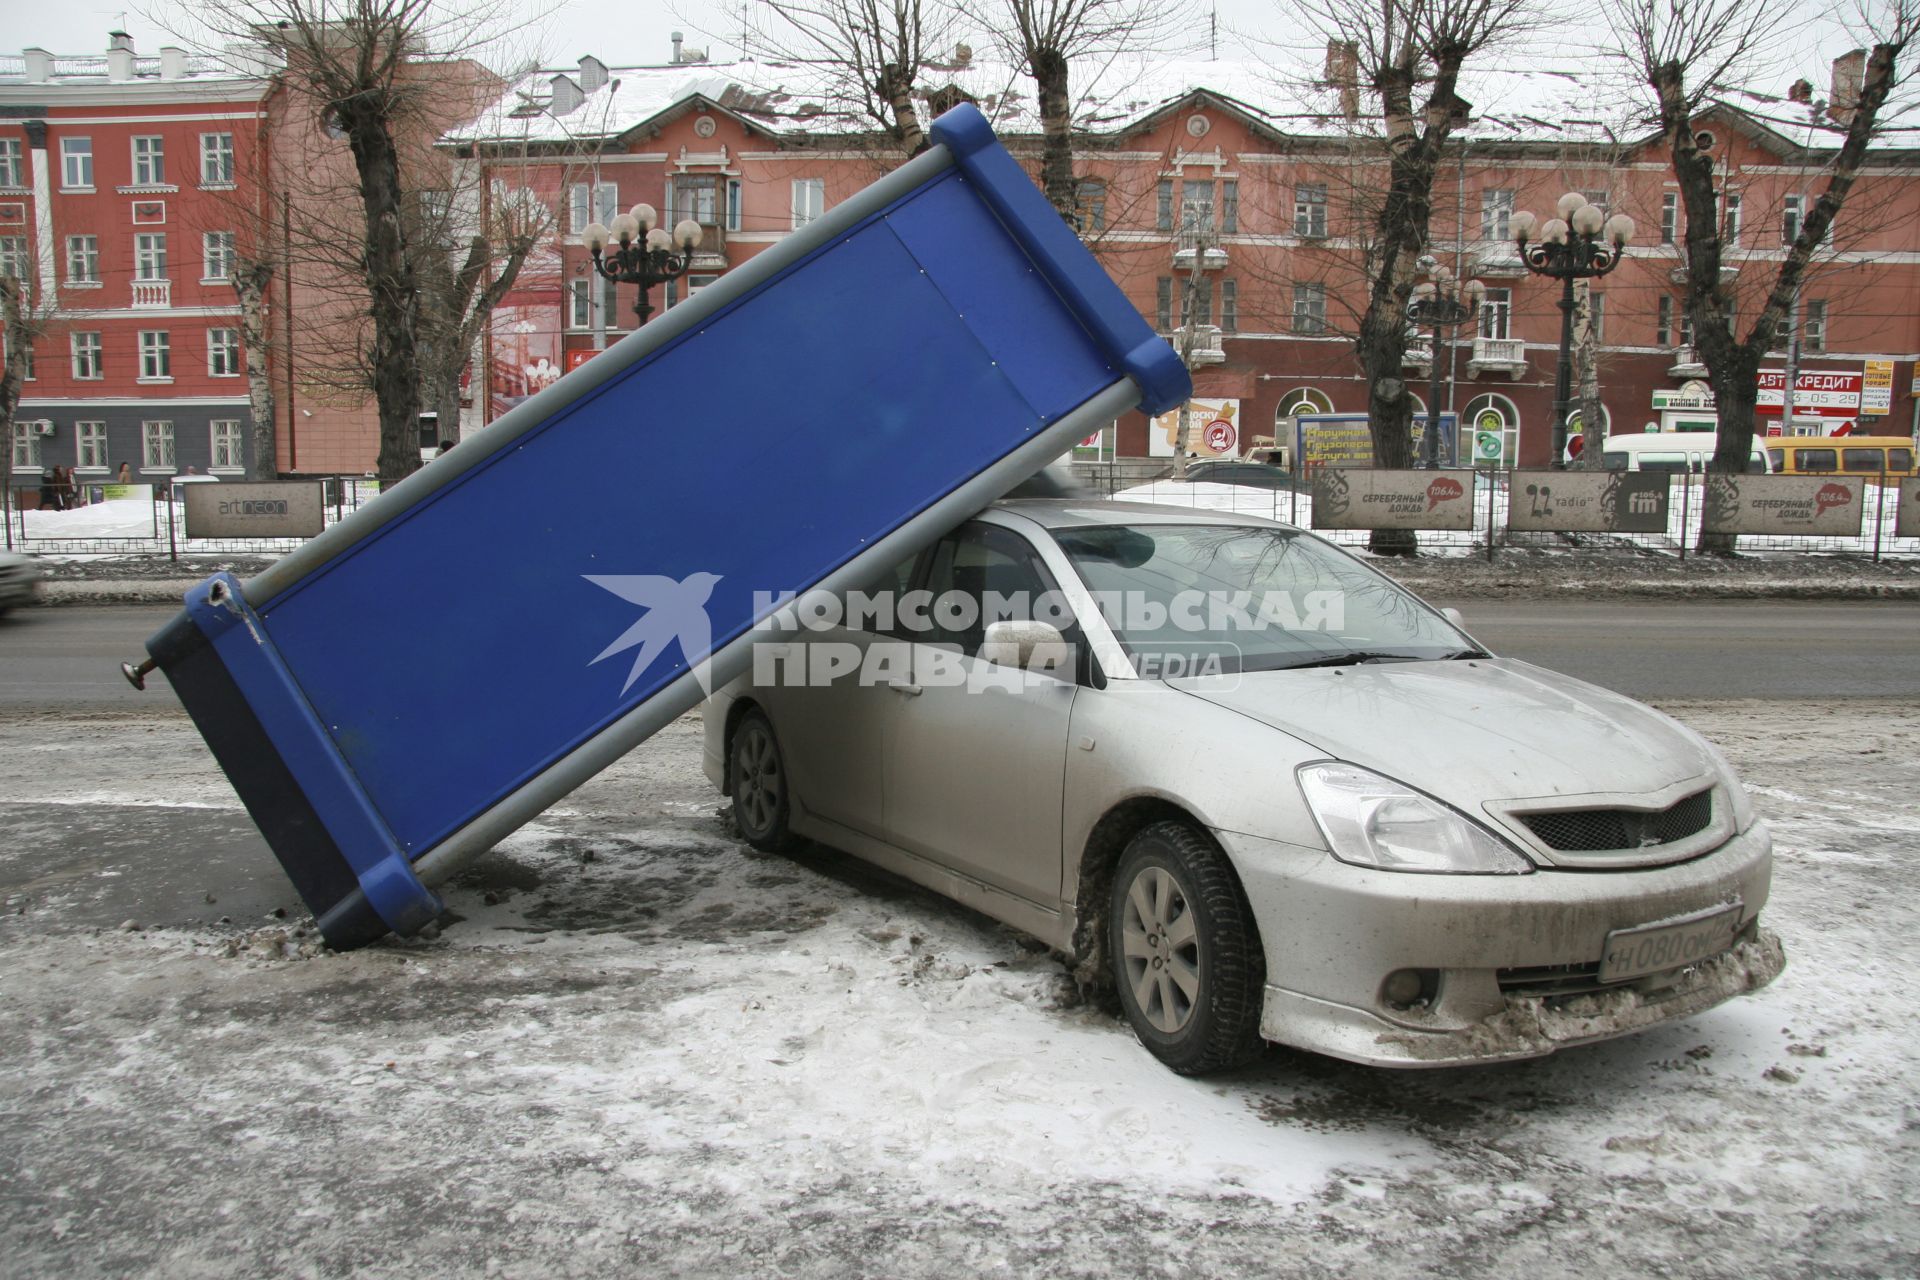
[1068, 265]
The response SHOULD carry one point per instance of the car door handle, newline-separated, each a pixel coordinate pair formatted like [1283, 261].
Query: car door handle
[906, 690]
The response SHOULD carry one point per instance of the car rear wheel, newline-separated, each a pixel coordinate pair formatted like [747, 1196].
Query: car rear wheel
[1186, 955]
[758, 774]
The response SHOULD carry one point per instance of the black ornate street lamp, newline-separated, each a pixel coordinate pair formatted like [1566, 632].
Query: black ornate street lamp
[647, 255]
[1581, 244]
[1440, 302]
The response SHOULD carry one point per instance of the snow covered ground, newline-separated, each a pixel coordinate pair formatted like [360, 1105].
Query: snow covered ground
[646, 1049]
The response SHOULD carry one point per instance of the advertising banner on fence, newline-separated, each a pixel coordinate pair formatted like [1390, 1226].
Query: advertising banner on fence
[1350, 498]
[1213, 430]
[1907, 523]
[254, 510]
[1805, 506]
[1588, 502]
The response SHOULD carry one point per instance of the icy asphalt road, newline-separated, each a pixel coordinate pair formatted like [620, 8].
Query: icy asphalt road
[70, 656]
[648, 1051]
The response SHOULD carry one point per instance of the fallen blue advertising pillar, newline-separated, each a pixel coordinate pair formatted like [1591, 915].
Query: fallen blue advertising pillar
[426, 676]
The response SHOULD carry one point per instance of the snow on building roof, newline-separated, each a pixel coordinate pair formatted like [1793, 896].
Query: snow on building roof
[1572, 98]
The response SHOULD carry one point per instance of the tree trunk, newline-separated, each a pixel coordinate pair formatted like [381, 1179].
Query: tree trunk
[1056, 130]
[1586, 367]
[14, 325]
[896, 89]
[446, 403]
[250, 280]
[1382, 348]
[393, 297]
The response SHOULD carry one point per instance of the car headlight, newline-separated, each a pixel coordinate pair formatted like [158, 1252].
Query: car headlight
[1743, 814]
[1373, 821]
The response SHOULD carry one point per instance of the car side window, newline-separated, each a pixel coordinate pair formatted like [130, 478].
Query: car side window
[979, 575]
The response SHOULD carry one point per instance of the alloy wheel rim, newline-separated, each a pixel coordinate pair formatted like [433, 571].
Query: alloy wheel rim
[1161, 949]
[756, 779]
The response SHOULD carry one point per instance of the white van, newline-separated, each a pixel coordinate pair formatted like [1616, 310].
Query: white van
[1681, 451]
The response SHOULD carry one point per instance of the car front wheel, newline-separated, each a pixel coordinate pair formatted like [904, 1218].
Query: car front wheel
[759, 785]
[1186, 954]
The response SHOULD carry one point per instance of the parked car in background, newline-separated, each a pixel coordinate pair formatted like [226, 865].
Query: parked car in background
[19, 580]
[1261, 790]
[1847, 455]
[1687, 452]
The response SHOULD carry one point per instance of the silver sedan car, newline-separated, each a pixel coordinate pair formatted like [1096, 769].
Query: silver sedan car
[1253, 791]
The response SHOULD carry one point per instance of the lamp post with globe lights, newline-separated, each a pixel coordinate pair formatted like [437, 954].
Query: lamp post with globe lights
[1440, 303]
[647, 254]
[1583, 243]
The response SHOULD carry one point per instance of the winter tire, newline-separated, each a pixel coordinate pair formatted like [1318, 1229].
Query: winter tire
[1186, 955]
[761, 792]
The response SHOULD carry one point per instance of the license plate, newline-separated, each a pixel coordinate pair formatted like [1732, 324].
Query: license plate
[1654, 948]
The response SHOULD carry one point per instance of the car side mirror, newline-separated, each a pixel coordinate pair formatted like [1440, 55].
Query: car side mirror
[1036, 646]
[1453, 616]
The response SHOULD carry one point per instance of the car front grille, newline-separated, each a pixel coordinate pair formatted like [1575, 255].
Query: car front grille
[1604, 830]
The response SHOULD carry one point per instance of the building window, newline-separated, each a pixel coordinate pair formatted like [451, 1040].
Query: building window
[156, 354]
[1813, 326]
[10, 168]
[13, 257]
[156, 446]
[1092, 195]
[1229, 307]
[216, 159]
[217, 247]
[76, 163]
[809, 200]
[83, 259]
[1310, 308]
[580, 298]
[1163, 303]
[149, 161]
[1669, 216]
[91, 445]
[1197, 301]
[1730, 223]
[1597, 314]
[1496, 213]
[26, 361]
[1310, 211]
[223, 353]
[1791, 210]
[26, 446]
[733, 204]
[1496, 314]
[1163, 210]
[1196, 206]
[1230, 205]
[696, 197]
[226, 445]
[592, 202]
[610, 303]
[150, 255]
[87, 363]
[1663, 329]
[1598, 199]
[1686, 328]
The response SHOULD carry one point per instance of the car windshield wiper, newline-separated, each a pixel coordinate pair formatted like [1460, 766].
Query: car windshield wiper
[1459, 654]
[1351, 658]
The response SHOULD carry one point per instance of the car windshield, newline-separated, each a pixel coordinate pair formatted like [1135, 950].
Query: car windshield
[1202, 598]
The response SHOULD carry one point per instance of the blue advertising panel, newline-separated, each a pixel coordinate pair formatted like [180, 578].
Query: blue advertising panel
[432, 672]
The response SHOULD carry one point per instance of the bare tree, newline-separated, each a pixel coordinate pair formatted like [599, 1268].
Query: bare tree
[1044, 38]
[355, 63]
[871, 54]
[1687, 54]
[1409, 54]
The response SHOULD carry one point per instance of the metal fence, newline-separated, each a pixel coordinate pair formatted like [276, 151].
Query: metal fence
[1292, 503]
[158, 526]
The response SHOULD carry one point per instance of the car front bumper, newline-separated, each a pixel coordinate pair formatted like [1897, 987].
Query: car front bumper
[1506, 956]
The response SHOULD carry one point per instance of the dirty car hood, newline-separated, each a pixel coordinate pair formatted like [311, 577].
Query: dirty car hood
[1470, 732]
